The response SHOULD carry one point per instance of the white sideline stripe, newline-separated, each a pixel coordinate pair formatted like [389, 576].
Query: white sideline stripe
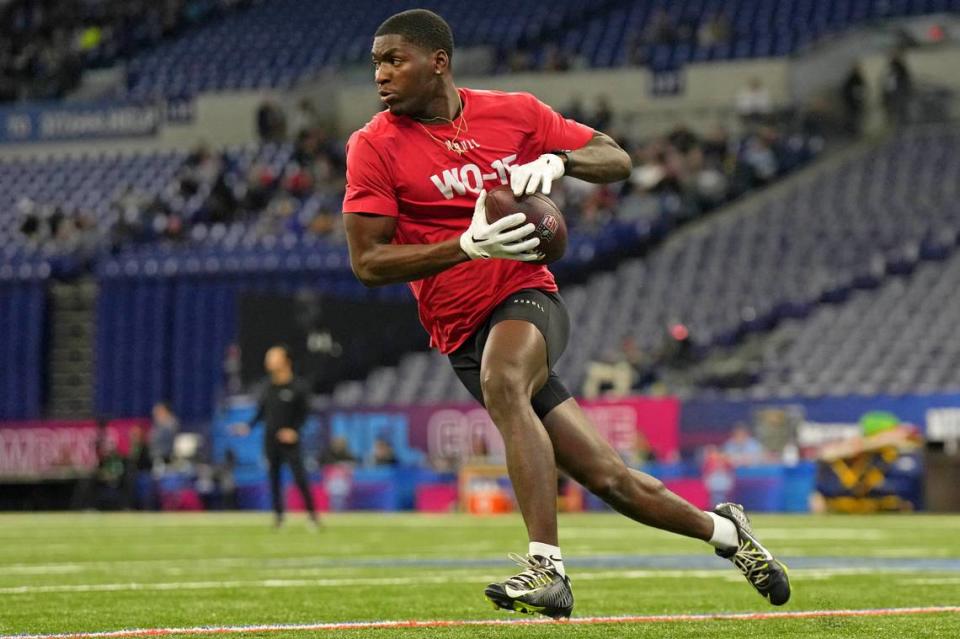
[439, 623]
[461, 577]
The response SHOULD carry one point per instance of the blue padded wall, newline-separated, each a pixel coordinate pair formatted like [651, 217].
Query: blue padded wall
[22, 326]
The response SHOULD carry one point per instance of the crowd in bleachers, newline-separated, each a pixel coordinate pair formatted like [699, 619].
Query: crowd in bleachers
[296, 190]
[46, 44]
[291, 185]
[683, 173]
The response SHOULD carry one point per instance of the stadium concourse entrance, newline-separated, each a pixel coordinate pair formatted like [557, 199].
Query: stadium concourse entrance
[332, 338]
[54, 494]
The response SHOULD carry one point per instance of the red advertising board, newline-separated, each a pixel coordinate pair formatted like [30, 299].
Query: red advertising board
[54, 449]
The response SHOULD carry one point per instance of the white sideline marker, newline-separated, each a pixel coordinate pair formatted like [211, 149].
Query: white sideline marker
[439, 623]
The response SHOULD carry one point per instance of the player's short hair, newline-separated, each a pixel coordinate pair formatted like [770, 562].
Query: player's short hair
[420, 27]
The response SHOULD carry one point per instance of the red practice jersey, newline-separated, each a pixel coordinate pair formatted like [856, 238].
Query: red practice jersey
[403, 169]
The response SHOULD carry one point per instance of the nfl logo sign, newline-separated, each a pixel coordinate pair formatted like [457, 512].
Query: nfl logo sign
[547, 227]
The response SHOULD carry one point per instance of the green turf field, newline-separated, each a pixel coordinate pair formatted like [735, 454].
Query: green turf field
[92, 572]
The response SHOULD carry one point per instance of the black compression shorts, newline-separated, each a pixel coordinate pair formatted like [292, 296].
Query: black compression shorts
[544, 310]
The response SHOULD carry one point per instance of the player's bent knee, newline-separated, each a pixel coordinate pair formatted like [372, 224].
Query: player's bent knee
[504, 387]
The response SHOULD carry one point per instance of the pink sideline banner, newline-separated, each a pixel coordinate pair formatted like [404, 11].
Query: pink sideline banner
[450, 430]
[51, 449]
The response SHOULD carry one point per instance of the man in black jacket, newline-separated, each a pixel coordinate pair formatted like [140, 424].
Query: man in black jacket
[283, 407]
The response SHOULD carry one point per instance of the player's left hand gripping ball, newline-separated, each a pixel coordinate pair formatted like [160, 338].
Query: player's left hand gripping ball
[539, 174]
[508, 238]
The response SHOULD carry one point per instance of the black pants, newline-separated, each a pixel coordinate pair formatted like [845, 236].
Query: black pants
[544, 310]
[277, 455]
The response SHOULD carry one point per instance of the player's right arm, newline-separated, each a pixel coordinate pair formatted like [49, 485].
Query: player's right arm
[376, 261]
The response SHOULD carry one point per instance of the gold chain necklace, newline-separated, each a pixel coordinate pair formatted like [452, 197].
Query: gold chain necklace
[461, 126]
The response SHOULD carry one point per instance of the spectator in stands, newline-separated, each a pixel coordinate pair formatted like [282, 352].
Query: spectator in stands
[206, 485]
[520, 61]
[306, 117]
[677, 349]
[338, 452]
[271, 122]
[261, 184]
[279, 216]
[897, 87]
[232, 369]
[555, 59]
[718, 475]
[743, 449]
[574, 110]
[227, 480]
[201, 167]
[602, 114]
[610, 376]
[297, 180]
[222, 203]
[31, 225]
[163, 431]
[138, 493]
[714, 30]
[753, 102]
[661, 28]
[641, 453]
[325, 223]
[383, 453]
[759, 158]
[619, 372]
[86, 490]
[101, 489]
[306, 148]
[854, 97]
[716, 146]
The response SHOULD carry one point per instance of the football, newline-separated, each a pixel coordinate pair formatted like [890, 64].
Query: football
[540, 211]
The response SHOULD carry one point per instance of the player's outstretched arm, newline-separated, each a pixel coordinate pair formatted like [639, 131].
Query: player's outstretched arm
[600, 160]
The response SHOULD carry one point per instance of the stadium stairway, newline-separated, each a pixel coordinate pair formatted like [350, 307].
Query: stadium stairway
[70, 356]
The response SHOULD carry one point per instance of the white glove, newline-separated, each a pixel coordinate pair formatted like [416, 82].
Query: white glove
[526, 178]
[504, 238]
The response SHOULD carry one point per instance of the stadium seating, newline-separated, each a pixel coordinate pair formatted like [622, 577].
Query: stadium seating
[897, 339]
[852, 227]
[757, 28]
[275, 44]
